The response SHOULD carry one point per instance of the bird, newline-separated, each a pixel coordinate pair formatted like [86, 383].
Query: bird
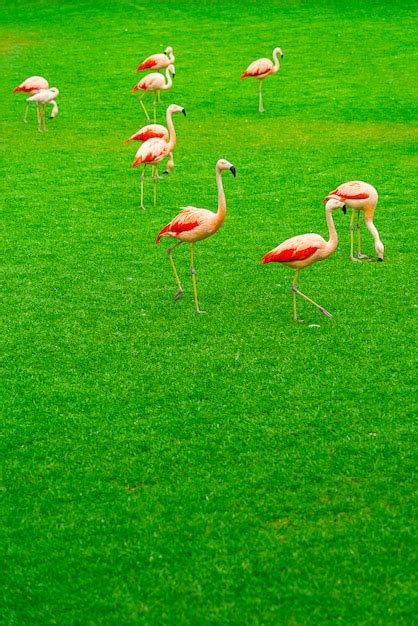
[152, 131]
[360, 196]
[154, 82]
[155, 150]
[31, 86]
[192, 225]
[303, 250]
[157, 61]
[44, 96]
[260, 69]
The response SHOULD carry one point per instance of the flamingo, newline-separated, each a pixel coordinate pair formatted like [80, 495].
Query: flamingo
[31, 86]
[260, 69]
[360, 196]
[152, 131]
[303, 250]
[154, 82]
[44, 96]
[155, 150]
[192, 225]
[157, 61]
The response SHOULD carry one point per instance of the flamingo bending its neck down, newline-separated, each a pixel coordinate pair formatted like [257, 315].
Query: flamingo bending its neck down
[360, 196]
[155, 150]
[157, 61]
[260, 69]
[31, 85]
[303, 250]
[153, 131]
[155, 83]
[192, 225]
[44, 96]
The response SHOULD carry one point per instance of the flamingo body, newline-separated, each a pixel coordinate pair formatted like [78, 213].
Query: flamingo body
[157, 61]
[32, 85]
[360, 196]
[150, 131]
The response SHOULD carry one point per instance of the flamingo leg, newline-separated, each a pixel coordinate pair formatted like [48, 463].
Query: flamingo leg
[359, 254]
[294, 288]
[193, 273]
[260, 97]
[155, 174]
[43, 117]
[142, 188]
[318, 306]
[143, 107]
[352, 257]
[169, 253]
[39, 118]
[25, 117]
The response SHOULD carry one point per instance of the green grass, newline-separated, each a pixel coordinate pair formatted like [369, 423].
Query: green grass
[234, 468]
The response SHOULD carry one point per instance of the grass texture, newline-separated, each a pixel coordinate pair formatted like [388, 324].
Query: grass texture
[161, 467]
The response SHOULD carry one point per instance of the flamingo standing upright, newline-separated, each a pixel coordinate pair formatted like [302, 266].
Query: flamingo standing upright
[155, 150]
[192, 225]
[303, 250]
[157, 61]
[31, 85]
[360, 196]
[154, 82]
[43, 96]
[154, 131]
[260, 69]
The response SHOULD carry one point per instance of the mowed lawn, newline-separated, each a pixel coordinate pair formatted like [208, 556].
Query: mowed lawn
[163, 467]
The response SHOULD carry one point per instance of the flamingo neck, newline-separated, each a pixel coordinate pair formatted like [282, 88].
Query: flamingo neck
[221, 198]
[169, 82]
[333, 237]
[172, 141]
[276, 65]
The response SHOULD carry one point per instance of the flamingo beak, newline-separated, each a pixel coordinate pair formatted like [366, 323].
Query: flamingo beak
[344, 209]
[184, 112]
[233, 171]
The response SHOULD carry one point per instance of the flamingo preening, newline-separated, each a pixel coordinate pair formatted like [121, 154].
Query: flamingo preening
[152, 131]
[360, 196]
[155, 83]
[260, 69]
[157, 61]
[45, 96]
[31, 85]
[303, 250]
[155, 150]
[192, 225]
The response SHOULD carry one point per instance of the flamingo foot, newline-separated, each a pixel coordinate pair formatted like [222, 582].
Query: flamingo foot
[361, 256]
[354, 258]
[179, 293]
[324, 311]
[25, 121]
[141, 206]
[200, 311]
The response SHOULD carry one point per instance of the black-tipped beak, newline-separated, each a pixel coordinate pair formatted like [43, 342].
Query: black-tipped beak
[379, 259]
[344, 209]
[282, 55]
[184, 112]
[233, 170]
[51, 117]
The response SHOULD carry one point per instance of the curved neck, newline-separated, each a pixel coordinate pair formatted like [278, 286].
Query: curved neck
[171, 57]
[333, 237]
[169, 82]
[276, 65]
[172, 141]
[221, 212]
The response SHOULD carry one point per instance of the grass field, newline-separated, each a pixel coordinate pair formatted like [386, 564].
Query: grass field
[161, 467]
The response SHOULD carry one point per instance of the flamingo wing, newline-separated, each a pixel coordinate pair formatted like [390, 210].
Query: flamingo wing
[258, 68]
[349, 191]
[152, 151]
[149, 63]
[188, 219]
[289, 254]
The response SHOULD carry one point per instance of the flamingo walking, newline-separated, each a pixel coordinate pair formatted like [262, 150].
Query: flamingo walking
[157, 61]
[260, 69]
[155, 150]
[155, 83]
[192, 225]
[360, 196]
[303, 250]
[44, 96]
[31, 85]
[152, 131]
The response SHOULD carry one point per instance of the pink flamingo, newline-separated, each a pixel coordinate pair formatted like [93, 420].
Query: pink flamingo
[260, 69]
[192, 225]
[155, 150]
[31, 86]
[154, 131]
[360, 196]
[44, 96]
[154, 83]
[157, 61]
[303, 250]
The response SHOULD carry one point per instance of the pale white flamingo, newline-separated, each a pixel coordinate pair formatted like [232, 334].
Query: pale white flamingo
[260, 69]
[44, 96]
[303, 250]
[152, 131]
[31, 86]
[155, 150]
[192, 225]
[155, 83]
[360, 196]
[157, 61]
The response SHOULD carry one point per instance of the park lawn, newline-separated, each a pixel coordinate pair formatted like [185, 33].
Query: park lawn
[162, 467]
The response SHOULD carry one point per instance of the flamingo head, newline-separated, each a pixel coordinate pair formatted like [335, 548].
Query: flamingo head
[175, 108]
[335, 203]
[168, 51]
[55, 91]
[223, 164]
[278, 51]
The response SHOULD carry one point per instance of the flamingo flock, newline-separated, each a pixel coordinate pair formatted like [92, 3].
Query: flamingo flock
[195, 224]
